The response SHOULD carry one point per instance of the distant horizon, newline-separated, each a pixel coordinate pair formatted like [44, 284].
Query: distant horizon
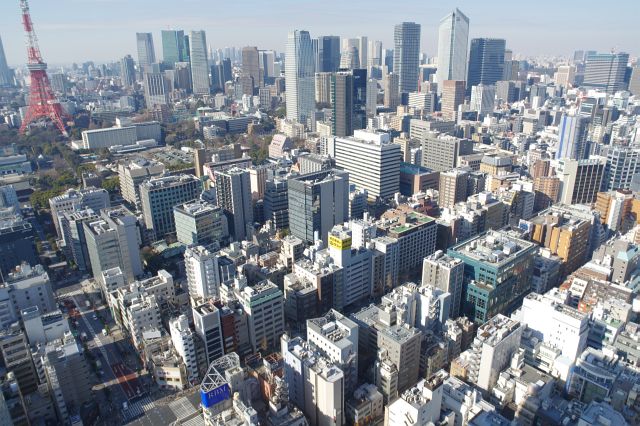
[104, 30]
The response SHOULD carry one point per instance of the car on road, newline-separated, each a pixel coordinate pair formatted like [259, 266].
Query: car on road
[95, 317]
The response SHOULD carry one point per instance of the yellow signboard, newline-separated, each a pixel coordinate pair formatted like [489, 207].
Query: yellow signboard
[339, 243]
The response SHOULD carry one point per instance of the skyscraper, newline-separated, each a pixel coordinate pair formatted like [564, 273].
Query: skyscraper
[146, 52]
[199, 63]
[606, 71]
[391, 90]
[299, 77]
[483, 99]
[156, 87]
[328, 53]
[6, 75]
[486, 61]
[342, 103]
[359, 97]
[173, 48]
[127, 71]
[251, 66]
[317, 202]
[233, 190]
[452, 97]
[572, 137]
[453, 39]
[406, 55]
[363, 51]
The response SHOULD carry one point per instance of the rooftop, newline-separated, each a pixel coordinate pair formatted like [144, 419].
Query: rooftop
[496, 329]
[493, 247]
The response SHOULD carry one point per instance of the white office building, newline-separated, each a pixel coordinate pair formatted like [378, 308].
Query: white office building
[203, 278]
[183, 341]
[199, 63]
[372, 161]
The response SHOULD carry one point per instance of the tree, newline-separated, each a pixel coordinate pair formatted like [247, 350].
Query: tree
[112, 184]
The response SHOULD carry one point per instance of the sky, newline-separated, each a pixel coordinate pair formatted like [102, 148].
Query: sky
[104, 30]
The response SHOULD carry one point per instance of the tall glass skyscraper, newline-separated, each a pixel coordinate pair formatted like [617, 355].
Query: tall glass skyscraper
[328, 53]
[199, 63]
[453, 40]
[173, 47]
[6, 77]
[146, 52]
[300, 77]
[406, 55]
[127, 71]
[486, 61]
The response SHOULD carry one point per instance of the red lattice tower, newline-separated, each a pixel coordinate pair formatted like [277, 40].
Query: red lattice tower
[42, 100]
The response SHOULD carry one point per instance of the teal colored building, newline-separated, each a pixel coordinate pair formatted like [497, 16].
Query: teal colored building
[497, 273]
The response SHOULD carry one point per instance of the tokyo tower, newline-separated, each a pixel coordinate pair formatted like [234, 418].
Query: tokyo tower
[42, 100]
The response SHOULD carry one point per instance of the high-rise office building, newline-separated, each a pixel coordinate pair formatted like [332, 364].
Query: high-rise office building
[342, 103]
[634, 81]
[276, 202]
[483, 99]
[159, 195]
[606, 71]
[372, 97]
[6, 75]
[580, 180]
[565, 75]
[127, 71]
[183, 340]
[113, 240]
[406, 55]
[372, 161]
[328, 53]
[317, 202]
[267, 64]
[440, 152]
[452, 97]
[359, 98]
[566, 235]
[198, 222]
[446, 273]
[299, 77]
[452, 187]
[453, 41]
[146, 52]
[156, 87]
[391, 90]
[132, 173]
[206, 318]
[199, 63]
[251, 66]
[203, 277]
[486, 61]
[323, 87]
[498, 270]
[263, 304]
[490, 353]
[623, 163]
[173, 48]
[363, 51]
[572, 138]
[233, 192]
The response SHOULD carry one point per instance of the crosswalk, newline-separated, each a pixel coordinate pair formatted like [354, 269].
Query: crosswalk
[138, 409]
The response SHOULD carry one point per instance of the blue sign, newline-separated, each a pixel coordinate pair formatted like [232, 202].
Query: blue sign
[215, 396]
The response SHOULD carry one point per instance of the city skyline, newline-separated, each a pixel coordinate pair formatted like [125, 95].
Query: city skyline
[112, 36]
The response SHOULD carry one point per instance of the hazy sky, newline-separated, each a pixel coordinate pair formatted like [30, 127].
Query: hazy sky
[103, 30]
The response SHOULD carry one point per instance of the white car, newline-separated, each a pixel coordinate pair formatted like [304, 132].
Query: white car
[95, 317]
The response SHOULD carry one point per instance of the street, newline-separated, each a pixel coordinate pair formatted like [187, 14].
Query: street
[117, 381]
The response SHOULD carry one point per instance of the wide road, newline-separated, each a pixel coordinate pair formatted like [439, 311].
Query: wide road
[117, 376]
